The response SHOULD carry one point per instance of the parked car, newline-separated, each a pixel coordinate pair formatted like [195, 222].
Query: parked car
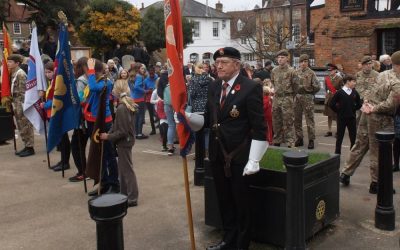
[321, 72]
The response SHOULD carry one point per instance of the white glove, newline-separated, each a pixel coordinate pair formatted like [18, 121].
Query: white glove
[196, 121]
[257, 151]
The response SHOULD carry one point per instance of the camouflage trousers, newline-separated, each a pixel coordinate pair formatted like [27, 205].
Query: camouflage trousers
[377, 122]
[283, 120]
[304, 103]
[24, 126]
[360, 148]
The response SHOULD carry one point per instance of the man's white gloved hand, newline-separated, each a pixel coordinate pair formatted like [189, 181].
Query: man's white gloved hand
[196, 121]
[257, 151]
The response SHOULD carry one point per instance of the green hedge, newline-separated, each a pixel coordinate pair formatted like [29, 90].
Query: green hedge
[273, 159]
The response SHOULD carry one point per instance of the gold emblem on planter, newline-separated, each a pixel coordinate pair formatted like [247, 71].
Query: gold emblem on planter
[320, 210]
[234, 112]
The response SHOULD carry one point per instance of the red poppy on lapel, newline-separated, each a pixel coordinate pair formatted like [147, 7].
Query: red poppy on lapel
[237, 87]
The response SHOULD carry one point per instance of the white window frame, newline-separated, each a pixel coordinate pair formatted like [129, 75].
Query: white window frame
[215, 29]
[296, 33]
[17, 24]
[196, 28]
[243, 40]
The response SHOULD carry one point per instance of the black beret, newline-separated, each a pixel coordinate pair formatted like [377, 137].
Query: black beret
[227, 52]
[267, 63]
[331, 66]
[15, 57]
[396, 58]
[366, 59]
[282, 52]
[304, 57]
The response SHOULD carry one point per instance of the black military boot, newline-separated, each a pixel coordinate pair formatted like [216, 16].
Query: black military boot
[29, 151]
[344, 179]
[310, 144]
[19, 152]
[299, 142]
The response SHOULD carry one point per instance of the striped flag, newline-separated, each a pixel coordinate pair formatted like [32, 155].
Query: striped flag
[174, 45]
[36, 82]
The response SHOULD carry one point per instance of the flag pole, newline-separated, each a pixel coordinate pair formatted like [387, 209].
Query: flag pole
[188, 203]
[101, 167]
[15, 140]
[82, 160]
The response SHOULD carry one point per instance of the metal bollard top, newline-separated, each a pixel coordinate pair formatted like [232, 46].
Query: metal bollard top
[384, 135]
[108, 207]
[295, 158]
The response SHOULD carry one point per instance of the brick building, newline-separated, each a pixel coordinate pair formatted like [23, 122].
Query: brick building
[346, 30]
[273, 21]
[18, 26]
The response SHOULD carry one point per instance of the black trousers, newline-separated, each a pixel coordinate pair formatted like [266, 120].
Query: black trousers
[342, 123]
[163, 133]
[150, 108]
[78, 146]
[235, 203]
[65, 149]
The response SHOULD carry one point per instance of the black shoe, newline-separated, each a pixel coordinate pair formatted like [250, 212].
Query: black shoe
[28, 151]
[277, 144]
[93, 192]
[164, 149]
[396, 168]
[76, 178]
[132, 203]
[19, 152]
[171, 151]
[153, 132]
[60, 167]
[310, 144]
[299, 142]
[373, 188]
[344, 179]
[220, 246]
[142, 136]
[56, 165]
[328, 134]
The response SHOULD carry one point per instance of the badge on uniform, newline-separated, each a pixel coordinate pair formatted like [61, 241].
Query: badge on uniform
[234, 113]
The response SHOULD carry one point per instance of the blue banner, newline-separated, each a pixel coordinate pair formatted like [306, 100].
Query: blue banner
[65, 110]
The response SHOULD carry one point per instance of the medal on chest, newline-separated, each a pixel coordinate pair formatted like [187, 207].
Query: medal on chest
[234, 113]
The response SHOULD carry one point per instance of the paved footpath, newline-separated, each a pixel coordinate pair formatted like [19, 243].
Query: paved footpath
[41, 210]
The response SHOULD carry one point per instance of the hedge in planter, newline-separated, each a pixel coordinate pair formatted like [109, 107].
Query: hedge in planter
[321, 192]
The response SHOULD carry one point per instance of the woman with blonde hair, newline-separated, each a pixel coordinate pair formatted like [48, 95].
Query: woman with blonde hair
[122, 134]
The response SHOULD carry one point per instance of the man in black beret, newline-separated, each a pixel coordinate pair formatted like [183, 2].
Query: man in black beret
[237, 144]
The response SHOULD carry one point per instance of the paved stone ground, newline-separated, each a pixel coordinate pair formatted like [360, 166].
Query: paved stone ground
[41, 210]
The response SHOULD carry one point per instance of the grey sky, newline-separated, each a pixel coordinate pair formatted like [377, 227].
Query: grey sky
[229, 5]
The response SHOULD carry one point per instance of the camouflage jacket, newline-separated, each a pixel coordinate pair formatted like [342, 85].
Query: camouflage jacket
[308, 82]
[388, 86]
[285, 81]
[18, 81]
[365, 83]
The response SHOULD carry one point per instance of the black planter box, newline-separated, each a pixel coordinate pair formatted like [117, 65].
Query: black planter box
[6, 125]
[321, 194]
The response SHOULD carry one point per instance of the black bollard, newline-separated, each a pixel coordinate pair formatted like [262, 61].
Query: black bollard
[384, 211]
[199, 161]
[295, 163]
[108, 210]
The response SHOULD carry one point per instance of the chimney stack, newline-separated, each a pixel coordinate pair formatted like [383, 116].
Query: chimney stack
[142, 6]
[263, 3]
[219, 6]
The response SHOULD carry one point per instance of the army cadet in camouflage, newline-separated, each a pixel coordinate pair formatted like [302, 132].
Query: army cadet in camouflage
[304, 102]
[366, 81]
[285, 83]
[18, 81]
[381, 108]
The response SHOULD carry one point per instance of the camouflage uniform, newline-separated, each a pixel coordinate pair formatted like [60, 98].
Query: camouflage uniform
[365, 83]
[304, 101]
[285, 83]
[382, 117]
[18, 80]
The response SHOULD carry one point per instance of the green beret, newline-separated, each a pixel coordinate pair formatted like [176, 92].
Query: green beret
[15, 57]
[366, 59]
[227, 52]
[303, 57]
[282, 52]
[396, 58]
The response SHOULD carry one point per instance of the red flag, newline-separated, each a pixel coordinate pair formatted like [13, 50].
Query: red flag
[329, 84]
[174, 45]
[5, 76]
